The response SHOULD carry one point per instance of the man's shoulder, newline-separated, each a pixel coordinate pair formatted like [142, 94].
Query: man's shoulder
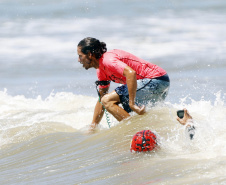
[110, 53]
[114, 54]
[117, 52]
[108, 56]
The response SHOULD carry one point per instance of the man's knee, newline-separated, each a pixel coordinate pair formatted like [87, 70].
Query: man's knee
[108, 101]
[105, 100]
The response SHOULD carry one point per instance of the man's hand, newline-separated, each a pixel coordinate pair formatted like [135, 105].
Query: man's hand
[185, 119]
[138, 110]
[92, 128]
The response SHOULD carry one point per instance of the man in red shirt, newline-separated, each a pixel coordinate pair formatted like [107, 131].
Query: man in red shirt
[142, 81]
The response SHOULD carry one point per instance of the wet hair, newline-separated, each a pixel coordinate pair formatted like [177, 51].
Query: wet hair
[93, 46]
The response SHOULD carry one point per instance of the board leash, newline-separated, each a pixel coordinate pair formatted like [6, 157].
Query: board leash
[106, 114]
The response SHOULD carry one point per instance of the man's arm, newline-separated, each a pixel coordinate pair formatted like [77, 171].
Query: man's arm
[188, 121]
[131, 81]
[99, 110]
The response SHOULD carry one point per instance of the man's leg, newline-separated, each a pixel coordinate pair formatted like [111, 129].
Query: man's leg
[110, 102]
[155, 91]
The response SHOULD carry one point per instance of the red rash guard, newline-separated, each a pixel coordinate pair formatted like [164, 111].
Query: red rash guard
[112, 64]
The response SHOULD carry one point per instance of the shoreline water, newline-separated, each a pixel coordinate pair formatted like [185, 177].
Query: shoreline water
[47, 98]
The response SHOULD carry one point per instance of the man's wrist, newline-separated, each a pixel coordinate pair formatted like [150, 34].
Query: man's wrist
[190, 127]
[189, 123]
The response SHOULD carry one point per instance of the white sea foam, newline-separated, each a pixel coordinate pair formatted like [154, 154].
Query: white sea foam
[26, 118]
[154, 36]
[23, 118]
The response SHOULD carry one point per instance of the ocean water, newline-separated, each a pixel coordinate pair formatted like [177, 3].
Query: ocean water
[47, 99]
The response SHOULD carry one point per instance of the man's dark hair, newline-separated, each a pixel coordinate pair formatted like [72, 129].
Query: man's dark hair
[93, 46]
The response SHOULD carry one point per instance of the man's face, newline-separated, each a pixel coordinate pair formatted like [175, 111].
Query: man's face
[84, 59]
